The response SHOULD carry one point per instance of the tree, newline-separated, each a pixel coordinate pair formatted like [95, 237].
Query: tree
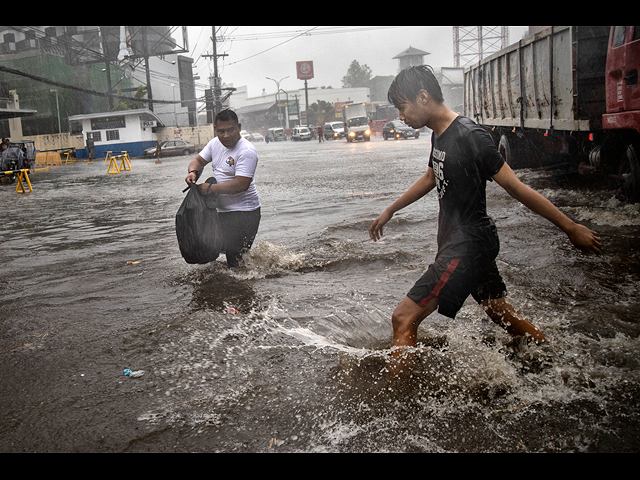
[321, 112]
[121, 104]
[357, 76]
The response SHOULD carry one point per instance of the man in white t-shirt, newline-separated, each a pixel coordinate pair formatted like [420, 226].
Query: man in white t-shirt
[234, 161]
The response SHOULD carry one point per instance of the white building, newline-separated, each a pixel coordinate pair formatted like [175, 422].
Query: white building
[263, 111]
[240, 97]
[132, 131]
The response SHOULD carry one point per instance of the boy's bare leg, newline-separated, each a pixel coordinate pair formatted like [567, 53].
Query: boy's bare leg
[503, 313]
[408, 316]
[406, 319]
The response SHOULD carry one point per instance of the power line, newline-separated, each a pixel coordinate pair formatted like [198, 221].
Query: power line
[80, 89]
[271, 48]
[294, 33]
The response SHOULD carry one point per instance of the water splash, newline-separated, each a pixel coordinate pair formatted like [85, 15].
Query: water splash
[267, 258]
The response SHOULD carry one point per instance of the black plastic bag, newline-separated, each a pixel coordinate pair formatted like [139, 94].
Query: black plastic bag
[198, 227]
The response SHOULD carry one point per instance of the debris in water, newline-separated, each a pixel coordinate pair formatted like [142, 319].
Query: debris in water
[275, 442]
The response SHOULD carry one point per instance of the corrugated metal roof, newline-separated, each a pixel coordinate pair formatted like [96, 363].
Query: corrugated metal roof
[15, 113]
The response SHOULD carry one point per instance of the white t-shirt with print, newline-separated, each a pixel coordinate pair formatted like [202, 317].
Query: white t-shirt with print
[227, 163]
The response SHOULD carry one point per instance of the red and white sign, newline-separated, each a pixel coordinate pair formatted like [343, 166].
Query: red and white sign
[305, 70]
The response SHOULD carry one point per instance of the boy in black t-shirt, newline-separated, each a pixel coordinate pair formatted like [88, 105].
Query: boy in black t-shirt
[463, 159]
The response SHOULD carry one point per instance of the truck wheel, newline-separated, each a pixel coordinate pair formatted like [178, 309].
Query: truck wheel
[504, 147]
[630, 167]
[514, 152]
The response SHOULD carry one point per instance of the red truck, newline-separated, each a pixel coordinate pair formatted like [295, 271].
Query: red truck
[565, 94]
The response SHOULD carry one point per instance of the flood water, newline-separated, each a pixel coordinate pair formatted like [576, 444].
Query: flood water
[92, 283]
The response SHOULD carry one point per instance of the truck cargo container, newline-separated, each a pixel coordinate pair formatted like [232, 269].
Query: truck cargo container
[356, 122]
[565, 94]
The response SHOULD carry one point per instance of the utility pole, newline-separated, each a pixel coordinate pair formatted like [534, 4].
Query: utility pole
[146, 66]
[107, 63]
[217, 103]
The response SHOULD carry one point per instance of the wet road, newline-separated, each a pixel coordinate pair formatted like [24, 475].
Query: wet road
[92, 282]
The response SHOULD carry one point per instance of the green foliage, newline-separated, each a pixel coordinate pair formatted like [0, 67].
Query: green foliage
[120, 104]
[357, 76]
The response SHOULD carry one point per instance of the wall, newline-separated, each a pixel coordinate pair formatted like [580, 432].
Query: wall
[52, 142]
[188, 134]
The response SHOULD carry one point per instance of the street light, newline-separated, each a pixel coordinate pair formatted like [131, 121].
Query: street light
[277, 92]
[277, 81]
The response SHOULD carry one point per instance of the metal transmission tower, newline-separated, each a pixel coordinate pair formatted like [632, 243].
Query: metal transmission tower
[473, 43]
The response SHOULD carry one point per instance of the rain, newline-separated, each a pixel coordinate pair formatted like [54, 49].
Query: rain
[112, 343]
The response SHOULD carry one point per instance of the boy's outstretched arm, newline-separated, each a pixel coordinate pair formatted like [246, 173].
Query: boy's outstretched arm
[423, 186]
[582, 237]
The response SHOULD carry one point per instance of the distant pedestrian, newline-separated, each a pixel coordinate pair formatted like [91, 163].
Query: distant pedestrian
[157, 152]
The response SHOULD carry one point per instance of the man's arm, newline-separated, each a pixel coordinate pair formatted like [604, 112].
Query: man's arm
[582, 237]
[237, 185]
[194, 169]
[423, 186]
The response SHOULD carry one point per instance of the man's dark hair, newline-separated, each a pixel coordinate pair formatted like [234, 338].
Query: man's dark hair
[226, 116]
[407, 85]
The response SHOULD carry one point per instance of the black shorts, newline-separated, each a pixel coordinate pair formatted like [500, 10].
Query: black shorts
[239, 230]
[452, 279]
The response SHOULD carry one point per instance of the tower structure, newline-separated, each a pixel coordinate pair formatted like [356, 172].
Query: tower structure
[473, 43]
[410, 57]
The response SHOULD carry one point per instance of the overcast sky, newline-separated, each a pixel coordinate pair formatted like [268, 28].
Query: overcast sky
[257, 52]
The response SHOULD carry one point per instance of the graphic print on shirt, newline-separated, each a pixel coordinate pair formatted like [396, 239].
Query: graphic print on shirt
[230, 161]
[438, 170]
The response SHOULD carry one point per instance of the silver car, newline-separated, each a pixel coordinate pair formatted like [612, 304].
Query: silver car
[172, 148]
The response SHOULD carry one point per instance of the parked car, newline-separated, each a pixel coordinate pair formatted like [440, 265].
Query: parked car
[255, 137]
[398, 129]
[244, 134]
[172, 147]
[333, 130]
[301, 133]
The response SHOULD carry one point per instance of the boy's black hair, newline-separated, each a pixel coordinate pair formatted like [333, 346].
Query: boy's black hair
[407, 85]
[226, 115]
